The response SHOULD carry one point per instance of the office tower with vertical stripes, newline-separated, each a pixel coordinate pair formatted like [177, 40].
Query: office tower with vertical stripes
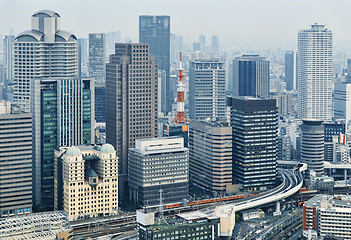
[315, 72]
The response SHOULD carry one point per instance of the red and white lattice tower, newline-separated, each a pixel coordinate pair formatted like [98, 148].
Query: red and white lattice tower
[180, 118]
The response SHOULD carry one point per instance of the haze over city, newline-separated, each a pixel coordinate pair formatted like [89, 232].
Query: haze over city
[268, 23]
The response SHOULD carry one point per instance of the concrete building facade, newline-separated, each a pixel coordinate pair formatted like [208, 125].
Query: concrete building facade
[131, 105]
[207, 89]
[44, 51]
[86, 181]
[158, 164]
[315, 73]
[210, 156]
[15, 161]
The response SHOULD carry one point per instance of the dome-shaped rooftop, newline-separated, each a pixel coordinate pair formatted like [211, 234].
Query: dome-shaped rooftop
[48, 13]
[73, 151]
[107, 148]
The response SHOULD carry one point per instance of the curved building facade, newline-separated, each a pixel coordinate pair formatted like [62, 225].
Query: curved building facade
[42, 52]
[312, 145]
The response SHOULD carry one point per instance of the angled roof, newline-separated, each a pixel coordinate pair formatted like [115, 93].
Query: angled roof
[65, 35]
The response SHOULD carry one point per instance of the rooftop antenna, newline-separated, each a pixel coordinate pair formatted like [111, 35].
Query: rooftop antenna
[180, 118]
[161, 216]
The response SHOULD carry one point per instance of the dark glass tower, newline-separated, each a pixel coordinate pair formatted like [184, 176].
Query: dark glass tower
[290, 70]
[251, 76]
[255, 124]
[155, 30]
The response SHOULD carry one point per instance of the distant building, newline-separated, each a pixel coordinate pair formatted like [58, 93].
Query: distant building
[215, 44]
[63, 115]
[8, 58]
[100, 98]
[290, 70]
[327, 217]
[48, 225]
[255, 123]
[284, 103]
[155, 30]
[196, 46]
[207, 89]
[97, 57]
[202, 40]
[130, 74]
[342, 100]
[89, 171]
[44, 39]
[83, 56]
[312, 145]
[15, 161]
[315, 73]
[159, 163]
[284, 148]
[251, 76]
[193, 225]
[210, 156]
[332, 129]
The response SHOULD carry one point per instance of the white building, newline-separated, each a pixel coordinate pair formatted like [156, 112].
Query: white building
[342, 101]
[42, 52]
[327, 216]
[314, 72]
[86, 181]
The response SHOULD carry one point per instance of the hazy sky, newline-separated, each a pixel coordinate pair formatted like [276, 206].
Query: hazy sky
[232, 20]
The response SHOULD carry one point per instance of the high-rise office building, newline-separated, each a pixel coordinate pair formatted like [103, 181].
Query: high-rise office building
[255, 124]
[207, 89]
[8, 58]
[100, 99]
[91, 171]
[34, 58]
[111, 39]
[196, 46]
[251, 76]
[290, 70]
[312, 145]
[63, 115]
[342, 101]
[202, 40]
[215, 44]
[97, 59]
[210, 156]
[155, 30]
[83, 56]
[15, 161]
[315, 72]
[158, 164]
[130, 74]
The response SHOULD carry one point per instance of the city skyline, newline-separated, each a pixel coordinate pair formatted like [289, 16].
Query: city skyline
[292, 17]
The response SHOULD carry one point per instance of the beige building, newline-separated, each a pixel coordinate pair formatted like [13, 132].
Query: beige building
[210, 156]
[86, 181]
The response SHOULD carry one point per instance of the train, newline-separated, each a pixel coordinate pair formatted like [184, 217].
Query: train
[211, 200]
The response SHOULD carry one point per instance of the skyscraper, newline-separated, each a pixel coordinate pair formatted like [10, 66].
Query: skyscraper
[210, 156]
[155, 30]
[207, 89]
[15, 161]
[314, 73]
[130, 74]
[34, 58]
[251, 76]
[97, 59]
[8, 58]
[63, 115]
[342, 101]
[255, 124]
[290, 70]
[215, 44]
[202, 40]
[83, 56]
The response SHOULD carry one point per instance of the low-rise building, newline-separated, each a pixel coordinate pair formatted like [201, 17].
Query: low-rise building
[327, 216]
[86, 180]
[158, 164]
[193, 225]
